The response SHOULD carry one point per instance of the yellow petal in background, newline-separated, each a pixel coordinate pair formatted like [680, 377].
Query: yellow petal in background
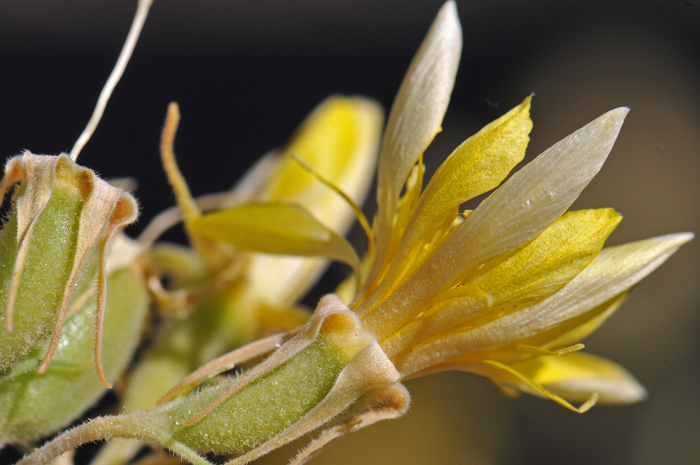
[276, 229]
[340, 140]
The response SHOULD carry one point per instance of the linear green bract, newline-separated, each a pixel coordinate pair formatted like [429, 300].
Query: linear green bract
[33, 405]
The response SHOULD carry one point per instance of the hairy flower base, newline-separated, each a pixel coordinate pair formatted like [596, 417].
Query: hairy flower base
[333, 374]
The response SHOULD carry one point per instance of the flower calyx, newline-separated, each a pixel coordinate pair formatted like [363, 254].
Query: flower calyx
[66, 212]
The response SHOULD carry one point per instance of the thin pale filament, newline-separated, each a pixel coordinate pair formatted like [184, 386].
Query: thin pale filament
[361, 218]
[127, 50]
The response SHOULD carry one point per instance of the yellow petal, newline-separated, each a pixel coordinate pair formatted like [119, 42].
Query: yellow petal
[477, 166]
[550, 261]
[513, 215]
[277, 229]
[417, 115]
[577, 376]
[340, 140]
[541, 268]
[480, 164]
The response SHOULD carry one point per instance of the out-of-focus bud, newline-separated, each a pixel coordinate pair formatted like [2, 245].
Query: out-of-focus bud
[63, 215]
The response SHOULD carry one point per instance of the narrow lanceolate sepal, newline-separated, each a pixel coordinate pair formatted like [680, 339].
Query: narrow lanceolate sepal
[62, 215]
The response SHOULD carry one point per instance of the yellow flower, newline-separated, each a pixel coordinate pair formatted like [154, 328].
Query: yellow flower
[505, 291]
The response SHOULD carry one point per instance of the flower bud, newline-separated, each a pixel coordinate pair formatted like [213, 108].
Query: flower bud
[62, 214]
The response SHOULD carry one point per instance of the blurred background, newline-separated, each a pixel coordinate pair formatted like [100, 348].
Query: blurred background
[245, 75]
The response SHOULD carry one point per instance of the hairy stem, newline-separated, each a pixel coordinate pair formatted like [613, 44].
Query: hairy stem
[124, 426]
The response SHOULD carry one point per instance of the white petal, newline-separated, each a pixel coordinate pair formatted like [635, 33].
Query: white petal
[418, 111]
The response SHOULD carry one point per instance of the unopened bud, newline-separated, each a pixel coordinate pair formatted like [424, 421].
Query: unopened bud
[61, 214]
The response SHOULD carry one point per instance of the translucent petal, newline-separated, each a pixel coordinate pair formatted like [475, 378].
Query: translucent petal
[577, 376]
[417, 115]
[277, 229]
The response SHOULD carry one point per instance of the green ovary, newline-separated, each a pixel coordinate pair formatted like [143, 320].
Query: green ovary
[261, 409]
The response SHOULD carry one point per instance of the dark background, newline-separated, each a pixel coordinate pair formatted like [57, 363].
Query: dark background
[246, 74]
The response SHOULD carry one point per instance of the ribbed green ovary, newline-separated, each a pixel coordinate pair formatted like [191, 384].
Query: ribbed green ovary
[261, 409]
[33, 405]
[46, 271]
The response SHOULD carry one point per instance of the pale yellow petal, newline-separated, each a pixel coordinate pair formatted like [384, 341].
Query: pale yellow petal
[541, 268]
[512, 216]
[577, 376]
[613, 271]
[416, 116]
